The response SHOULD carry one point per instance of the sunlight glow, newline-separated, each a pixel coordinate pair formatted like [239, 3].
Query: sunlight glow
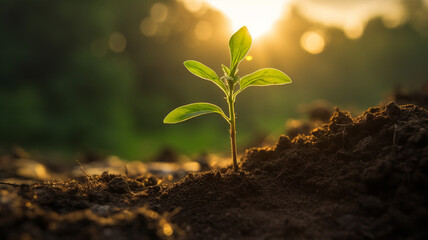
[352, 16]
[197, 7]
[258, 16]
[203, 30]
[396, 16]
[353, 28]
[159, 12]
[167, 229]
[312, 42]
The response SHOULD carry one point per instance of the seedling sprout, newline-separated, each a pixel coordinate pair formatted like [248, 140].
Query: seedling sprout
[239, 45]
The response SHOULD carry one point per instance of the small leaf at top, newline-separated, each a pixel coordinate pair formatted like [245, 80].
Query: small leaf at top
[264, 77]
[192, 110]
[226, 70]
[239, 45]
[204, 72]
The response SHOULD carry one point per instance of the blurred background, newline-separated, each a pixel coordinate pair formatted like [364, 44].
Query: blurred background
[98, 77]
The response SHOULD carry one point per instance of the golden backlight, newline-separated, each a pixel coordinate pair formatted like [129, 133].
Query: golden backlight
[257, 15]
[312, 42]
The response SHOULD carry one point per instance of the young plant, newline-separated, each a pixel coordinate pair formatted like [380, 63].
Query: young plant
[239, 45]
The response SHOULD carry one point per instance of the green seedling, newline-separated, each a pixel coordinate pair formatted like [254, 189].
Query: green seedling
[239, 45]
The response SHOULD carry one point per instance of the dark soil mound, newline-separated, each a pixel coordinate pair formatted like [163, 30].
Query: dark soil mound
[353, 178]
[362, 178]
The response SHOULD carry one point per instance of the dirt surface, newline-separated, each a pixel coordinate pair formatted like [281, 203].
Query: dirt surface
[105, 207]
[352, 178]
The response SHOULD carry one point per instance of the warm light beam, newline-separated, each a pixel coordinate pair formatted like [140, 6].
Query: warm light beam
[258, 16]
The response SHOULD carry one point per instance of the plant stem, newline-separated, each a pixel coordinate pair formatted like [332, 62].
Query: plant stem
[232, 122]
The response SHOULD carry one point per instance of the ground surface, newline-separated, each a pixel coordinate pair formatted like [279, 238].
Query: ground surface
[353, 178]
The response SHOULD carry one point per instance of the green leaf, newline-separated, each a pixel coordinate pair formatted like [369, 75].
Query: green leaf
[226, 70]
[192, 110]
[239, 44]
[264, 77]
[204, 72]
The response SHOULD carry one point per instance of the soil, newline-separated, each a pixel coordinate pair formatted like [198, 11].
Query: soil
[352, 178]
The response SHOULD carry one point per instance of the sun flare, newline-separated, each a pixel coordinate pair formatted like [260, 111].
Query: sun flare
[313, 42]
[258, 16]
